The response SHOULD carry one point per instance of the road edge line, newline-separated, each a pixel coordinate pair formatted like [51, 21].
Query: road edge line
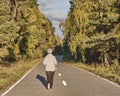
[111, 82]
[17, 82]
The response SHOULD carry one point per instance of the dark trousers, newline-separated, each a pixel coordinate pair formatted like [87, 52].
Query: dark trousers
[50, 75]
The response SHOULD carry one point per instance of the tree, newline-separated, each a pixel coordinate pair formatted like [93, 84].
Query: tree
[24, 31]
[90, 27]
[8, 28]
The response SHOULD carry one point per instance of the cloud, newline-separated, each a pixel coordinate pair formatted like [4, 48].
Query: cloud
[55, 11]
[44, 1]
[55, 16]
[44, 4]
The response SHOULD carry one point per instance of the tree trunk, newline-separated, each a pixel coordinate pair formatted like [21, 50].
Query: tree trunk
[14, 10]
[106, 60]
[118, 53]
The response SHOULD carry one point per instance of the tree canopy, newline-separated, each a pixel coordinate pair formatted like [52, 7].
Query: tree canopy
[92, 30]
[24, 30]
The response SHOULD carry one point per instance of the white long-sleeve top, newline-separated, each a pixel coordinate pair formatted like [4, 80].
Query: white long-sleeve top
[50, 62]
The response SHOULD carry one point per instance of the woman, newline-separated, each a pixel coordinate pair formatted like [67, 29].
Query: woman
[50, 63]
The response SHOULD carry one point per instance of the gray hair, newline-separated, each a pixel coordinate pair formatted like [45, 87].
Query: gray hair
[49, 51]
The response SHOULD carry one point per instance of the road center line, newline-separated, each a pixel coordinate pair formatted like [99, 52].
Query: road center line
[59, 74]
[64, 83]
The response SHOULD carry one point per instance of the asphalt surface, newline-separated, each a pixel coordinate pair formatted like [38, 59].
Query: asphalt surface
[68, 81]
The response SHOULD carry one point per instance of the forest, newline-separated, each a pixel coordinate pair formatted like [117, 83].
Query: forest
[91, 34]
[25, 32]
[92, 31]
[25, 35]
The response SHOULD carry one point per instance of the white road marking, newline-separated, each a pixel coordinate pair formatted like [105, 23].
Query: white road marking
[59, 74]
[111, 82]
[18, 81]
[64, 83]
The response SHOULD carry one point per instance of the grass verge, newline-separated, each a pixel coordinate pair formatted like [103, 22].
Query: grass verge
[8, 75]
[105, 72]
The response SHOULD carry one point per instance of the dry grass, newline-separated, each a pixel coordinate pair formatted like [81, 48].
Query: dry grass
[10, 74]
[106, 72]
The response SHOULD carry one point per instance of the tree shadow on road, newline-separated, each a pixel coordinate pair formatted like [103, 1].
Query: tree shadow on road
[42, 79]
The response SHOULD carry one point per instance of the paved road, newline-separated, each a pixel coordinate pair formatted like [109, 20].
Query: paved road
[68, 81]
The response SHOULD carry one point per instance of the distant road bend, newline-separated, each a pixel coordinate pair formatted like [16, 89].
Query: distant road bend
[68, 81]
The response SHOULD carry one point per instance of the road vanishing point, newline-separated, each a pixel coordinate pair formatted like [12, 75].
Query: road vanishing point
[68, 81]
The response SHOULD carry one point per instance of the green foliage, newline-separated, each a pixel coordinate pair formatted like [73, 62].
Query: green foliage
[29, 34]
[92, 26]
[8, 32]
[92, 36]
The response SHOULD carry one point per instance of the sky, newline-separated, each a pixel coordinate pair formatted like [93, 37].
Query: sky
[55, 11]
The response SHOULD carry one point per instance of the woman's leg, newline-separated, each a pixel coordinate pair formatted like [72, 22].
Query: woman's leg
[48, 79]
[52, 78]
